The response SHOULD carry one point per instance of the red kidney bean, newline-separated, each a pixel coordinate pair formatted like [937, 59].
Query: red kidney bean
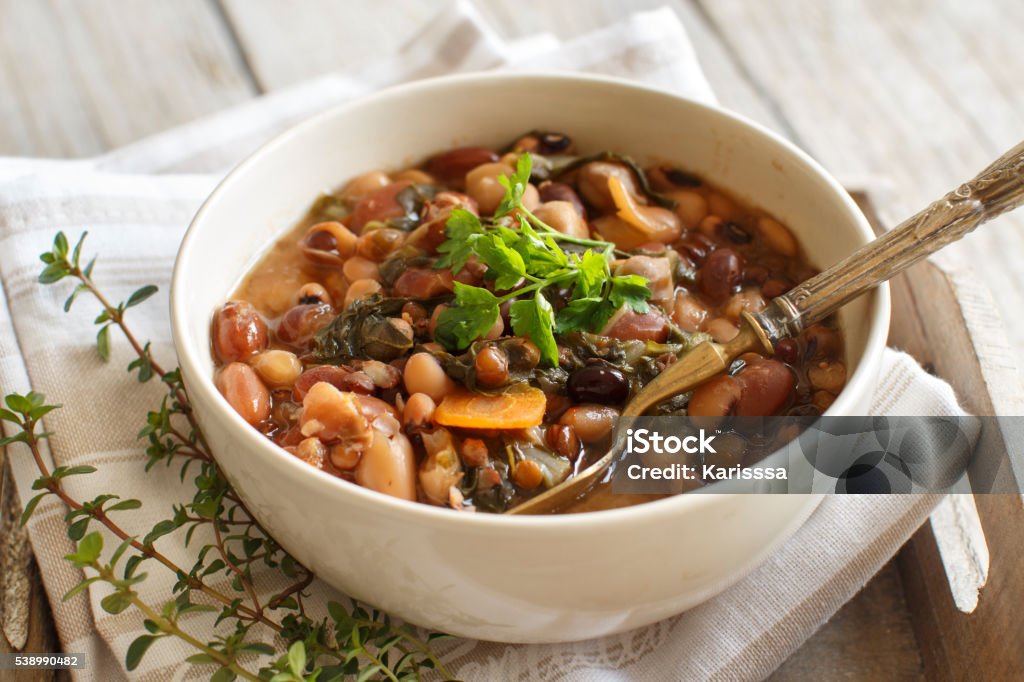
[697, 246]
[450, 167]
[238, 332]
[301, 322]
[766, 387]
[720, 274]
[491, 365]
[423, 283]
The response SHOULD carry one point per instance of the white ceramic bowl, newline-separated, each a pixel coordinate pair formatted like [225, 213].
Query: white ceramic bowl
[513, 579]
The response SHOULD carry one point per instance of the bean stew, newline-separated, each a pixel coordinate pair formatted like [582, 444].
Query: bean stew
[464, 332]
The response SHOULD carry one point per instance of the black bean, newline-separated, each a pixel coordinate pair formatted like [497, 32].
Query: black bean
[598, 384]
[552, 143]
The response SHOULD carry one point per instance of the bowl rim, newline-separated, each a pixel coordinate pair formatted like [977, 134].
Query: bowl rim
[417, 512]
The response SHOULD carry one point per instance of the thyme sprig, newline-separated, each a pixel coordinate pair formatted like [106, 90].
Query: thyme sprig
[350, 642]
[528, 263]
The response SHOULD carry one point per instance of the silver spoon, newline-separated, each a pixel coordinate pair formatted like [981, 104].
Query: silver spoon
[997, 189]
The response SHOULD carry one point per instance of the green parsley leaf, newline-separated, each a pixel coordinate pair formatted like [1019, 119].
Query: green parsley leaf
[504, 265]
[462, 229]
[515, 186]
[584, 314]
[631, 290]
[472, 314]
[534, 318]
[591, 274]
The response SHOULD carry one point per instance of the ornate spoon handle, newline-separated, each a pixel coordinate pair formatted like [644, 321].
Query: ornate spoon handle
[997, 189]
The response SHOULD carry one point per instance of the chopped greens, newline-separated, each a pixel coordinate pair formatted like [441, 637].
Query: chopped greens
[525, 263]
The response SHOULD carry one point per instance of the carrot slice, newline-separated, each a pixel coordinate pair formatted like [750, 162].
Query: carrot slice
[518, 408]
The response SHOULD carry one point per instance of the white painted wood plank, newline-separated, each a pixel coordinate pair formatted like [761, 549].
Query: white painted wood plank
[287, 41]
[82, 76]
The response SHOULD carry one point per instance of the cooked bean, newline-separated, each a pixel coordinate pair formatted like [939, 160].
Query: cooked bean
[361, 288]
[491, 365]
[715, 398]
[244, 391]
[451, 167]
[630, 325]
[827, 376]
[424, 283]
[523, 354]
[720, 274]
[527, 474]
[777, 236]
[688, 312]
[766, 387]
[708, 226]
[383, 375]
[423, 374]
[775, 287]
[277, 368]
[691, 207]
[788, 351]
[563, 216]
[545, 143]
[302, 322]
[746, 301]
[357, 268]
[822, 400]
[560, 191]
[378, 206]
[238, 332]
[563, 440]
[722, 329]
[312, 292]
[419, 412]
[415, 176]
[378, 244]
[361, 185]
[388, 466]
[483, 186]
[591, 423]
[722, 206]
[333, 415]
[312, 451]
[328, 243]
[601, 384]
[667, 178]
[342, 378]
[592, 183]
[345, 456]
[441, 469]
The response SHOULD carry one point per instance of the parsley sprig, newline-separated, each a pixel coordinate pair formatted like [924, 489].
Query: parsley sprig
[529, 262]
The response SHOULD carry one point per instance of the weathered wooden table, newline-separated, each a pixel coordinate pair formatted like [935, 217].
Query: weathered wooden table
[906, 97]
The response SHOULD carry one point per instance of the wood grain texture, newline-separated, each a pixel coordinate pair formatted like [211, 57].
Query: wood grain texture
[922, 92]
[81, 76]
[285, 43]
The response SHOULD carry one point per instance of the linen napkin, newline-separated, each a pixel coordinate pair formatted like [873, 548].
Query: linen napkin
[136, 203]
